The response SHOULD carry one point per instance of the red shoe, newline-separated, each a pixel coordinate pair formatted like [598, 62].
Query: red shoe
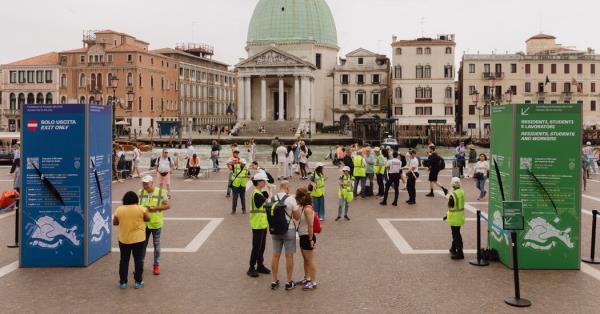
[156, 270]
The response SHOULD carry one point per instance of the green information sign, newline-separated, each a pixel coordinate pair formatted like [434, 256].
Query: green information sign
[512, 215]
[545, 143]
[437, 121]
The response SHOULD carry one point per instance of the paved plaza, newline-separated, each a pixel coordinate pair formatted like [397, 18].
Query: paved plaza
[385, 260]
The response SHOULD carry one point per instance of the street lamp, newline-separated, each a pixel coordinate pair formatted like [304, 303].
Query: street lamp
[475, 98]
[130, 96]
[113, 84]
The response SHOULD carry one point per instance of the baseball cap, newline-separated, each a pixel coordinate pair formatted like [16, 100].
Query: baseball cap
[345, 168]
[319, 164]
[147, 179]
[455, 181]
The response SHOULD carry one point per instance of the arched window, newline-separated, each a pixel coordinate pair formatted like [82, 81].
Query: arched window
[398, 72]
[375, 98]
[427, 51]
[82, 80]
[63, 80]
[162, 105]
[140, 80]
[419, 51]
[427, 93]
[82, 100]
[93, 81]
[92, 100]
[99, 81]
[398, 92]
[419, 92]
[345, 97]
[109, 80]
[30, 98]
[49, 98]
[13, 101]
[152, 104]
[140, 103]
[448, 92]
[344, 120]
[39, 99]
[151, 81]
[63, 100]
[21, 101]
[427, 72]
[162, 83]
[419, 71]
[448, 50]
[130, 80]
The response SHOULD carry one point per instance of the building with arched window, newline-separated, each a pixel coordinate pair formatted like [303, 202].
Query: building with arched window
[427, 94]
[30, 80]
[360, 86]
[113, 63]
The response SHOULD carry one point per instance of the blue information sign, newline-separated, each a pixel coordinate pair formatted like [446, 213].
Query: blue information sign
[62, 218]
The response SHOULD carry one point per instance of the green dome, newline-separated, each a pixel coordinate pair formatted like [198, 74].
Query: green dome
[292, 21]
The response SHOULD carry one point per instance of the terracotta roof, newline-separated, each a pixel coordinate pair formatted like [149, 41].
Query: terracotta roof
[50, 58]
[541, 36]
[424, 42]
[162, 51]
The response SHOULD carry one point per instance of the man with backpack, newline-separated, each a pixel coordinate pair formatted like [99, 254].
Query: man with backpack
[282, 214]
[435, 164]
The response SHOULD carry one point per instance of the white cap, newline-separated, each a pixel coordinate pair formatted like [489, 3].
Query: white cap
[319, 164]
[261, 176]
[588, 143]
[243, 161]
[377, 149]
[345, 168]
[147, 179]
[455, 182]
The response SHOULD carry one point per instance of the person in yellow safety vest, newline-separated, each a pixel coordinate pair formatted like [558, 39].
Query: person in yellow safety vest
[456, 218]
[379, 169]
[239, 177]
[155, 203]
[259, 224]
[360, 174]
[318, 190]
[345, 193]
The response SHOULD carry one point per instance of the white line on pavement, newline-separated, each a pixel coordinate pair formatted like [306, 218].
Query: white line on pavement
[423, 219]
[199, 191]
[9, 268]
[591, 197]
[196, 242]
[6, 215]
[590, 271]
[403, 245]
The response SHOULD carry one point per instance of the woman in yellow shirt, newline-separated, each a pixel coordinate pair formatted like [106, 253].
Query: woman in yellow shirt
[132, 233]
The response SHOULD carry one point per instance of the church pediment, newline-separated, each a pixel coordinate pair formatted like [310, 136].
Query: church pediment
[273, 57]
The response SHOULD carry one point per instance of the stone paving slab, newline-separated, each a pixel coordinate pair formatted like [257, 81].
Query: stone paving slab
[360, 270]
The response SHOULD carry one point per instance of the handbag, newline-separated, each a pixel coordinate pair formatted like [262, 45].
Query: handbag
[478, 175]
[236, 176]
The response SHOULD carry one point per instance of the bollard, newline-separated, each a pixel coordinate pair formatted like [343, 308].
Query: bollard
[592, 259]
[16, 245]
[479, 261]
[516, 301]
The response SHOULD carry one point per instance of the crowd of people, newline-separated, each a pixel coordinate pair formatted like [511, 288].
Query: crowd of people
[361, 167]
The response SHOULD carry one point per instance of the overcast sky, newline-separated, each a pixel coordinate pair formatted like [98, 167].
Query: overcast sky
[29, 27]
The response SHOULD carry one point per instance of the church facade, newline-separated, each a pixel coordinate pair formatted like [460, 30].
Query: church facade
[288, 74]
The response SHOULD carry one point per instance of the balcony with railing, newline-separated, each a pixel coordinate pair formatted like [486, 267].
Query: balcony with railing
[423, 101]
[493, 75]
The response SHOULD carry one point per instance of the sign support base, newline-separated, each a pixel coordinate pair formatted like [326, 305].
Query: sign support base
[517, 302]
[591, 260]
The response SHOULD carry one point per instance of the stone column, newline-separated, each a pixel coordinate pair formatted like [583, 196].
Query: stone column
[248, 98]
[241, 105]
[281, 99]
[305, 98]
[312, 105]
[263, 99]
[296, 98]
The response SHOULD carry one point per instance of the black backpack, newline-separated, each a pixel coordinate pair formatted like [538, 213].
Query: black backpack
[309, 153]
[278, 217]
[442, 163]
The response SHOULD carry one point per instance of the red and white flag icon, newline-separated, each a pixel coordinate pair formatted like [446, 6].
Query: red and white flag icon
[32, 125]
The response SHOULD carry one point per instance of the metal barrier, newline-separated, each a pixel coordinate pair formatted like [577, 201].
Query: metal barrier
[517, 301]
[592, 259]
